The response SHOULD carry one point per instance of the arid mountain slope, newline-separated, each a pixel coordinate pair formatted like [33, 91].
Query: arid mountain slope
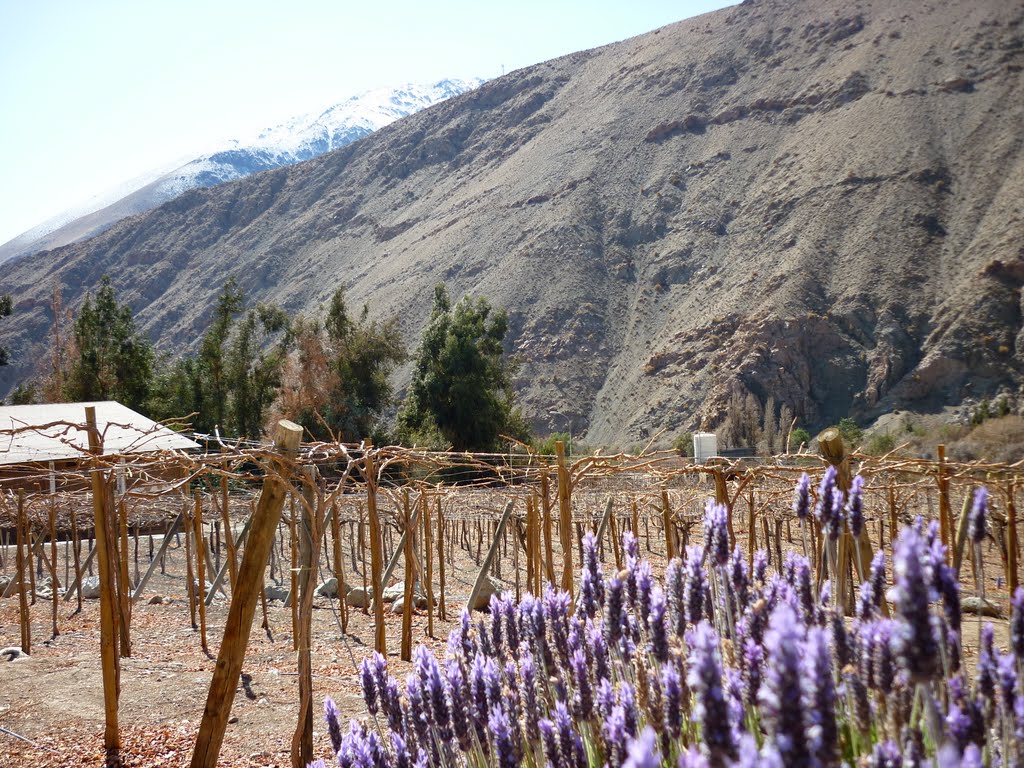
[818, 200]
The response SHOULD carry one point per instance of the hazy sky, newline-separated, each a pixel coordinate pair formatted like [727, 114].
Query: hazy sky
[95, 93]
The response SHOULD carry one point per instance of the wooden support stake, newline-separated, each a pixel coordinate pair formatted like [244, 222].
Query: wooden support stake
[229, 539]
[76, 550]
[309, 530]
[945, 515]
[616, 550]
[291, 601]
[339, 566]
[53, 564]
[751, 528]
[565, 516]
[429, 557]
[243, 607]
[1011, 543]
[549, 561]
[123, 587]
[407, 539]
[478, 584]
[189, 573]
[24, 617]
[442, 612]
[380, 642]
[109, 634]
[670, 538]
[200, 549]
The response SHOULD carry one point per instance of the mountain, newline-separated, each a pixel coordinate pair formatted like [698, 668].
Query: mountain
[301, 138]
[814, 200]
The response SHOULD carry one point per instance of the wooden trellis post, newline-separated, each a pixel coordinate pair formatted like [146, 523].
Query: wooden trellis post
[309, 529]
[243, 606]
[26, 619]
[565, 516]
[109, 634]
[380, 642]
[495, 543]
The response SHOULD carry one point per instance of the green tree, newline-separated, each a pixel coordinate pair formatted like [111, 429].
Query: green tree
[798, 437]
[234, 378]
[6, 307]
[850, 431]
[461, 390]
[338, 383]
[112, 360]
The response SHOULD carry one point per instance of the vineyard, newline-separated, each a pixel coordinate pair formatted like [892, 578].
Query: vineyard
[680, 609]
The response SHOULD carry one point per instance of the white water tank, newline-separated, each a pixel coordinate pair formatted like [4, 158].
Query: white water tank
[705, 446]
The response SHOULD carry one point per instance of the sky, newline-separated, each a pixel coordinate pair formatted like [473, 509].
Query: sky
[93, 94]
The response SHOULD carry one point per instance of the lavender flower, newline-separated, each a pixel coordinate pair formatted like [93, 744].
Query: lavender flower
[333, 725]
[855, 506]
[705, 680]
[819, 699]
[528, 697]
[695, 587]
[716, 533]
[674, 586]
[802, 497]
[657, 631]
[570, 745]
[1017, 624]
[644, 585]
[369, 684]
[615, 736]
[583, 699]
[615, 612]
[672, 693]
[643, 751]
[501, 734]
[976, 518]
[780, 696]
[823, 506]
[918, 647]
[592, 581]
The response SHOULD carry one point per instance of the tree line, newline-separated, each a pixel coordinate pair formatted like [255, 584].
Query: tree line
[330, 372]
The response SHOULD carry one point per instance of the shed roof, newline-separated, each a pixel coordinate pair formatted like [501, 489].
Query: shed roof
[57, 432]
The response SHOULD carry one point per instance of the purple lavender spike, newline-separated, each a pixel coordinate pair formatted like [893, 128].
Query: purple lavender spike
[549, 739]
[501, 734]
[716, 533]
[557, 605]
[511, 627]
[592, 580]
[885, 755]
[823, 506]
[657, 630]
[460, 704]
[643, 751]
[615, 736]
[570, 745]
[977, 525]
[695, 586]
[674, 586]
[627, 700]
[855, 506]
[615, 610]
[391, 701]
[672, 693]
[782, 711]
[528, 696]
[986, 670]
[819, 699]
[835, 520]
[369, 684]
[918, 647]
[333, 724]
[583, 698]
[1017, 624]
[739, 578]
[705, 680]
[802, 496]
[599, 651]
[497, 607]
[644, 585]
[761, 562]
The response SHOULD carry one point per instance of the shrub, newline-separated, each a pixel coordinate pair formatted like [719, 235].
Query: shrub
[683, 444]
[798, 437]
[880, 443]
[851, 433]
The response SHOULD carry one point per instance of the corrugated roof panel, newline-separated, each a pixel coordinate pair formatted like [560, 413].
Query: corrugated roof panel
[122, 429]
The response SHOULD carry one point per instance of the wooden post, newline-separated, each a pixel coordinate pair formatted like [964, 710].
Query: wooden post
[478, 584]
[442, 612]
[893, 524]
[123, 587]
[293, 574]
[380, 642]
[1011, 543]
[109, 634]
[25, 617]
[200, 548]
[565, 516]
[309, 530]
[243, 607]
[407, 537]
[229, 538]
[53, 563]
[429, 557]
[616, 549]
[339, 566]
[944, 510]
[76, 550]
[751, 529]
[189, 573]
[549, 561]
[666, 513]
